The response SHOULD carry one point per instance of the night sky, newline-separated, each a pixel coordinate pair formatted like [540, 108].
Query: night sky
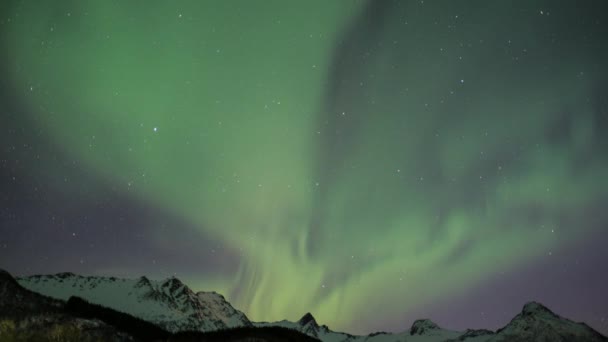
[371, 163]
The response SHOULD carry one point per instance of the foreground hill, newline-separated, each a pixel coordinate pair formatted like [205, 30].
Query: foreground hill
[184, 314]
[29, 316]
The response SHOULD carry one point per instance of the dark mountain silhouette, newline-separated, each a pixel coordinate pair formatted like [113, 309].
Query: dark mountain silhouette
[29, 316]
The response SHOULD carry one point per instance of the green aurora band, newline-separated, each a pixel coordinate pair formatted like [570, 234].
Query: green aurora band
[412, 182]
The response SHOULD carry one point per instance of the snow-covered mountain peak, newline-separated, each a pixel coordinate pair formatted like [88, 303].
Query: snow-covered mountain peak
[538, 323]
[306, 319]
[143, 281]
[175, 288]
[423, 326]
[535, 308]
[173, 280]
[309, 326]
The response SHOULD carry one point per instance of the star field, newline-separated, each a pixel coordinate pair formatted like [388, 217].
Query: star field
[369, 162]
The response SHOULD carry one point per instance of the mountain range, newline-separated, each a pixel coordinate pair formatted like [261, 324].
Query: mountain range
[174, 308]
[168, 303]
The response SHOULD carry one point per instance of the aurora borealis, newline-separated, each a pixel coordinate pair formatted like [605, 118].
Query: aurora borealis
[369, 162]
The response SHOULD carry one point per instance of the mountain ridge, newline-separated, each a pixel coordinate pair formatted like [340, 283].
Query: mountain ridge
[30, 316]
[185, 310]
[168, 302]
